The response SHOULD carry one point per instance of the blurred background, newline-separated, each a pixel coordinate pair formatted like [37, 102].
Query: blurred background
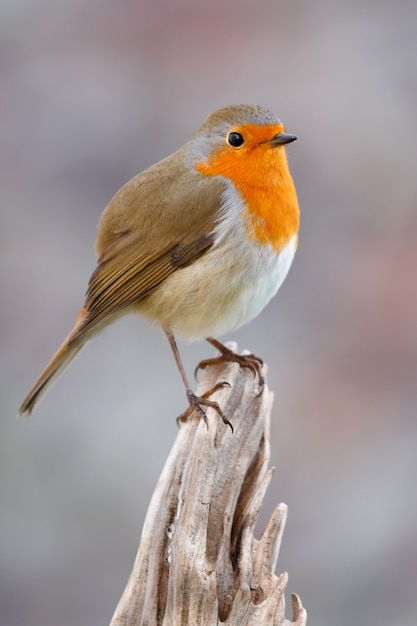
[91, 93]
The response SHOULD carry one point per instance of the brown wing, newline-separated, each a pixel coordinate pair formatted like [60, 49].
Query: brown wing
[127, 277]
[135, 256]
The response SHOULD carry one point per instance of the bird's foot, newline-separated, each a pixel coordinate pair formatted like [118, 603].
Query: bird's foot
[198, 402]
[249, 361]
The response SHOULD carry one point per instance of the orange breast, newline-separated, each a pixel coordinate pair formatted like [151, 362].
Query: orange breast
[260, 174]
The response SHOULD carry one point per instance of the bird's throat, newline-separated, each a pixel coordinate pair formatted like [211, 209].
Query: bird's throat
[262, 178]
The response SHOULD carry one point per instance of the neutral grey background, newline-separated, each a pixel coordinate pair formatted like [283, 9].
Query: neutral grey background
[93, 92]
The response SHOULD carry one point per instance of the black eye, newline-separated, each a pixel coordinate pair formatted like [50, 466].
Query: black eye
[235, 140]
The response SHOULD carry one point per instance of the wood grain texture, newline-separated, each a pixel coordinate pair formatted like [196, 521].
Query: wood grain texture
[198, 561]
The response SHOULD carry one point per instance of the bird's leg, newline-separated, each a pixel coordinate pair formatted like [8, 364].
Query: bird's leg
[196, 402]
[250, 361]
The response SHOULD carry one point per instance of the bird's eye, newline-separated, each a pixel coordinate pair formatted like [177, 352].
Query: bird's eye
[235, 140]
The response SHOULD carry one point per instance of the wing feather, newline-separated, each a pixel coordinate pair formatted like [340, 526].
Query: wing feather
[132, 260]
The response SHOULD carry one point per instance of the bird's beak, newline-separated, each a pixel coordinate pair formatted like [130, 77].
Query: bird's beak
[282, 138]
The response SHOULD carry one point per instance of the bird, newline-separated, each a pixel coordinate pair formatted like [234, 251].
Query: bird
[197, 243]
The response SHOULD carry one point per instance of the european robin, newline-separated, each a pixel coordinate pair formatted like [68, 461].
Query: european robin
[198, 243]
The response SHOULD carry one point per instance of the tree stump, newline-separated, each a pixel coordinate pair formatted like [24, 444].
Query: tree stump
[198, 562]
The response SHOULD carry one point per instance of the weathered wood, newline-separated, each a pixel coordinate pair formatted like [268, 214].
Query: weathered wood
[198, 561]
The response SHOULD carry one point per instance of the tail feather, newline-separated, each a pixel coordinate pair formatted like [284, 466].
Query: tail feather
[61, 359]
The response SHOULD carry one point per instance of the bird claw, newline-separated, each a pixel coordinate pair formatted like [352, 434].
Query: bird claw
[249, 361]
[197, 402]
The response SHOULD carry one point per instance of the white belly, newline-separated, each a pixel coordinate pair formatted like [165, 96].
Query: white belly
[223, 290]
[266, 277]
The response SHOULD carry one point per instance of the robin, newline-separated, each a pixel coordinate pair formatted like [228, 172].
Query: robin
[198, 243]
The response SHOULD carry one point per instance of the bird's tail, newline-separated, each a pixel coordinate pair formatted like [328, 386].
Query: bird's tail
[61, 359]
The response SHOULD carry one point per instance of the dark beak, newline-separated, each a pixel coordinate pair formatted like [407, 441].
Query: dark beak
[282, 138]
